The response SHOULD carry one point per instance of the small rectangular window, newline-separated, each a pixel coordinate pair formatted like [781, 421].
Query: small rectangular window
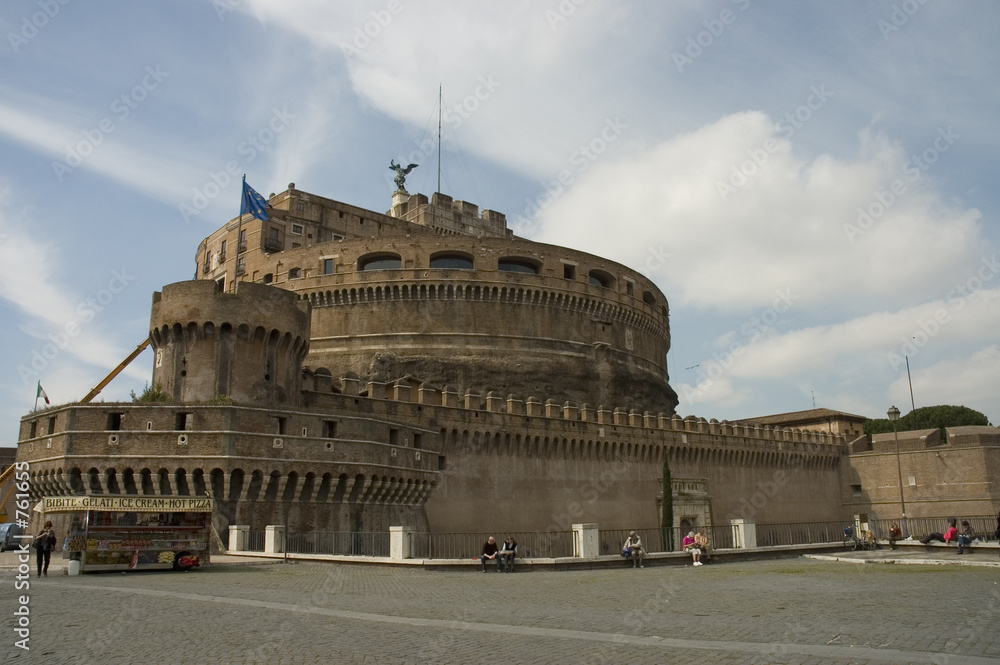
[115, 421]
[52, 425]
[441, 463]
[329, 429]
[569, 272]
[279, 424]
[182, 421]
[297, 229]
[629, 288]
[417, 440]
[243, 241]
[856, 490]
[327, 266]
[394, 436]
[33, 429]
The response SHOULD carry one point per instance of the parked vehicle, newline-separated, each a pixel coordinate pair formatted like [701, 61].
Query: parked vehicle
[9, 532]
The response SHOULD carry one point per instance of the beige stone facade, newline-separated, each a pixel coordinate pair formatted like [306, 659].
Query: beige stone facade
[849, 425]
[955, 472]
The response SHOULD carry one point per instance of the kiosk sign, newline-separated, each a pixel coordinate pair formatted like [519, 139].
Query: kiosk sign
[52, 504]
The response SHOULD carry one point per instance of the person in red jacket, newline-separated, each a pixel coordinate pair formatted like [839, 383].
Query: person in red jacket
[950, 535]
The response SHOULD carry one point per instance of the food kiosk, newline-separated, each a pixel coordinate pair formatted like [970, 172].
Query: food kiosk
[134, 532]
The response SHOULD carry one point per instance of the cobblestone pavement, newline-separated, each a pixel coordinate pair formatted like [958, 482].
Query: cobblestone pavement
[783, 611]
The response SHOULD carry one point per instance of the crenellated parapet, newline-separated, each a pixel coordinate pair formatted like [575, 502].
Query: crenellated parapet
[534, 427]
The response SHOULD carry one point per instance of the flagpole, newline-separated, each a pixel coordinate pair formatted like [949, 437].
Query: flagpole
[38, 389]
[239, 229]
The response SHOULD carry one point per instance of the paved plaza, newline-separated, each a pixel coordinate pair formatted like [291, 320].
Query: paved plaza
[792, 610]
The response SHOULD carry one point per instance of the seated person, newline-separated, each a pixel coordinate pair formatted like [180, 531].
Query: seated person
[950, 535]
[633, 544]
[868, 537]
[966, 537]
[490, 553]
[701, 542]
[507, 554]
[689, 546]
[895, 533]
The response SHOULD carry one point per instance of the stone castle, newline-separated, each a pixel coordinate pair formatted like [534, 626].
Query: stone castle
[335, 368]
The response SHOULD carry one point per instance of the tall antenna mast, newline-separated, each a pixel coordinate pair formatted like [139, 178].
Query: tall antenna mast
[439, 138]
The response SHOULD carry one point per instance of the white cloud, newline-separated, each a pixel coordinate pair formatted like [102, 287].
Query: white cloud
[148, 169]
[513, 111]
[27, 270]
[883, 337]
[69, 327]
[715, 392]
[968, 381]
[781, 229]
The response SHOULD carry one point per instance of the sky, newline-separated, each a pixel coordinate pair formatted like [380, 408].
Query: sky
[811, 185]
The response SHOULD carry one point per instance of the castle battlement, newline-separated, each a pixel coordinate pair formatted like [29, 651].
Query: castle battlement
[448, 216]
[535, 412]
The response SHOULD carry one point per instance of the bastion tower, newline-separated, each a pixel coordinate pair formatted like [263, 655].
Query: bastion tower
[437, 291]
[247, 346]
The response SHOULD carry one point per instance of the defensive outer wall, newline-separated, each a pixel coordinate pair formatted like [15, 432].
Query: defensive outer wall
[474, 468]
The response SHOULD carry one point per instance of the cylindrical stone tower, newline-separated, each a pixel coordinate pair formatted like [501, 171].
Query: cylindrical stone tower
[248, 345]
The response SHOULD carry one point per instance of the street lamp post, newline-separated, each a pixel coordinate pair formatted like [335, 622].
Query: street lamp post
[893, 414]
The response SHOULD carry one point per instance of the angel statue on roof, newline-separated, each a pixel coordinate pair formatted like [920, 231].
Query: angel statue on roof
[401, 172]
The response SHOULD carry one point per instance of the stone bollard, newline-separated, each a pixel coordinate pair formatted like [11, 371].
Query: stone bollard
[400, 542]
[586, 541]
[274, 539]
[744, 534]
[238, 536]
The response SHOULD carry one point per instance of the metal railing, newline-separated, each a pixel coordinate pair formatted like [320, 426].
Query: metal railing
[553, 544]
[985, 526]
[255, 541]
[800, 533]
[536, 544]
[346, 543]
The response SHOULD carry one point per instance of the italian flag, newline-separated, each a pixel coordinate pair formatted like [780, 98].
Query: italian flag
[41, 393]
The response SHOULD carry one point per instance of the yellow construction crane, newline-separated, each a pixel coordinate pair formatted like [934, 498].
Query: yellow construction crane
[8, 474]
[115, 372]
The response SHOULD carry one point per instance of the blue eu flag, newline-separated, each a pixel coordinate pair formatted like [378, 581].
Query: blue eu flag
[253, 202]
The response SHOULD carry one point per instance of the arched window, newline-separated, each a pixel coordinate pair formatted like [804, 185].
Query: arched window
[600, 278]
[268, 278]
[518, 264]
[648, 298]
[294, 273]
[380, 262]
[452, 260]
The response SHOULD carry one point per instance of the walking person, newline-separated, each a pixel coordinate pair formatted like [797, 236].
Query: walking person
[44, 543]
